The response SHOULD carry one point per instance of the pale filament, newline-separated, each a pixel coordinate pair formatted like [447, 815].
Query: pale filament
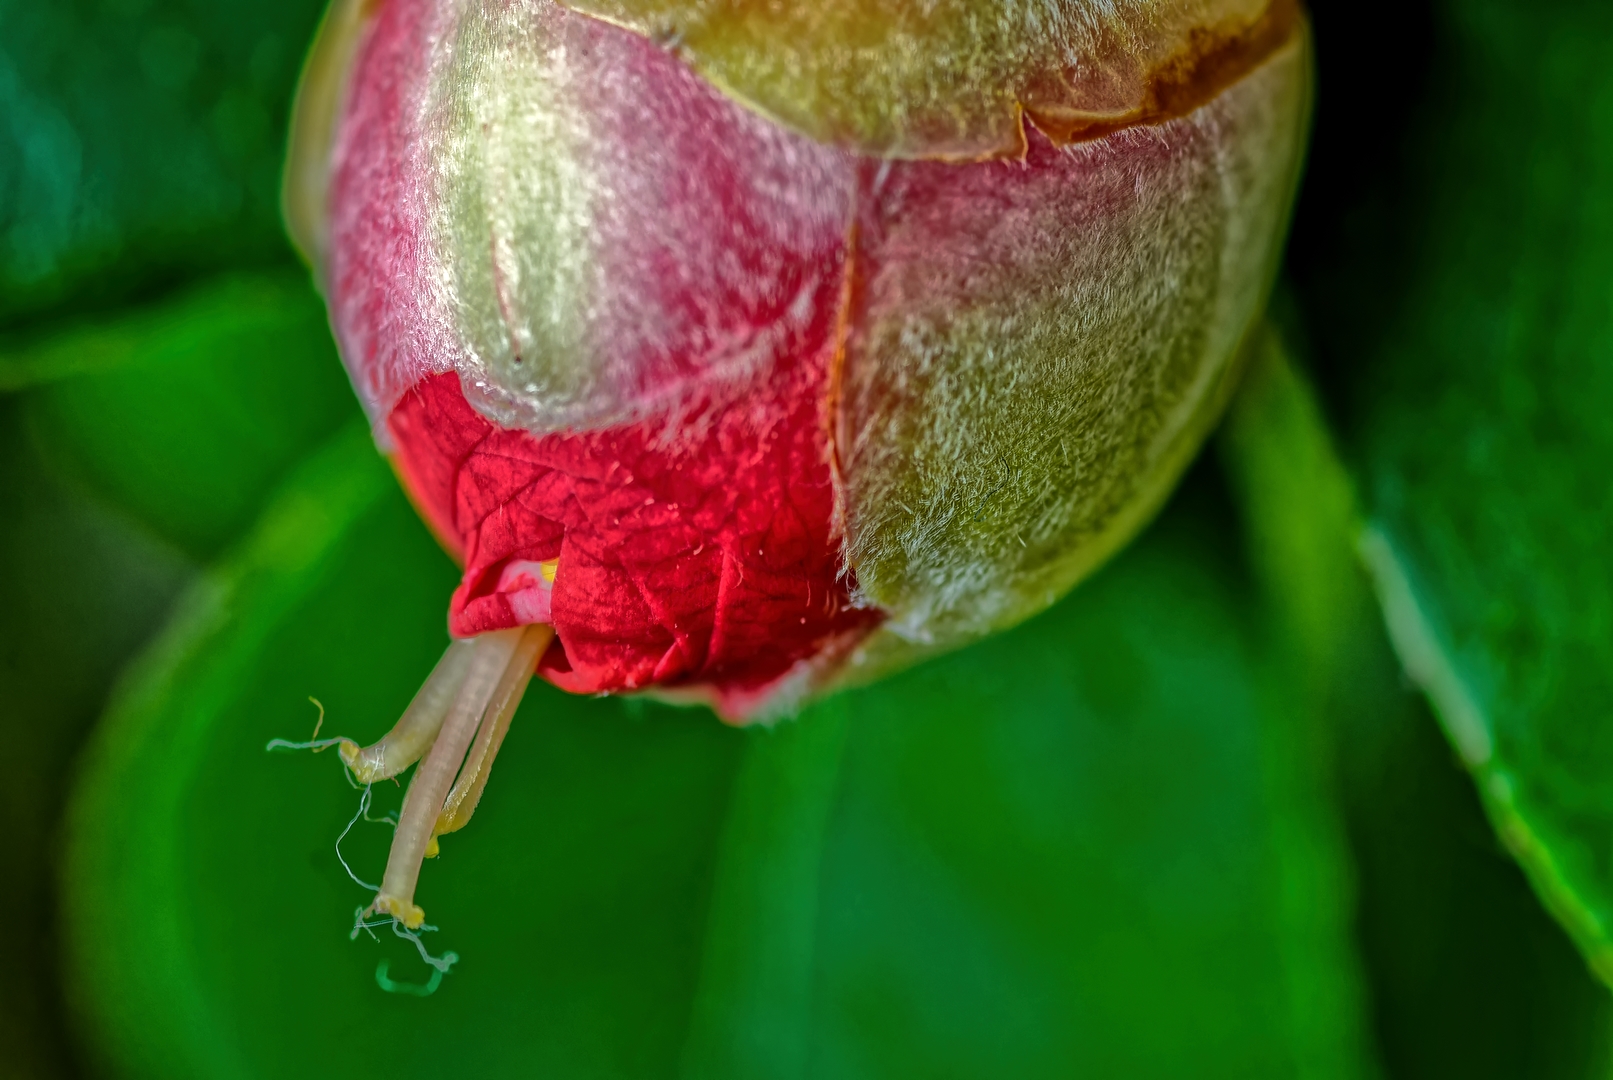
[467, 792]
[496, 668]
[417, 729]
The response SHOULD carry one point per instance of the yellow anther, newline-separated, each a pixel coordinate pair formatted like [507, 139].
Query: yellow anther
[412, 916]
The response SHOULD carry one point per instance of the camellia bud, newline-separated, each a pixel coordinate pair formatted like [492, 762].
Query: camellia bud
[739, 350]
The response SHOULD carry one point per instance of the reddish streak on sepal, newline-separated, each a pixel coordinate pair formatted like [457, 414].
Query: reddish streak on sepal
[702, 557]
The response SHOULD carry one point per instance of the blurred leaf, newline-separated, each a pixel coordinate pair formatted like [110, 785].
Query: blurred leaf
[202, 870]
[140, 142]
[199, 320]
[1087, 847]
[1463, 310]
[1299, 520]
[1300, 517]
[1470, 976]
[1061, 852]
[752, 1008]
[191, 411]
[81, 591]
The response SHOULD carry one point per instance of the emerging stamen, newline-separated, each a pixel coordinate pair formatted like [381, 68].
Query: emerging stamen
[461, 802]
[417, 728]
[496, 668]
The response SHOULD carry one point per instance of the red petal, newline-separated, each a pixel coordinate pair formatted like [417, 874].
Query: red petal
[702, 554]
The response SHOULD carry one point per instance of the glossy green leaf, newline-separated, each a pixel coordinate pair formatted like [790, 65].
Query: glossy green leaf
[188, 413]
[141, 141]
[1082, 847]
[1465, 316]
[1468, 975]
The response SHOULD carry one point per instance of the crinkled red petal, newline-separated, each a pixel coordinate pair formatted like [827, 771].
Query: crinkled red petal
[698, 555]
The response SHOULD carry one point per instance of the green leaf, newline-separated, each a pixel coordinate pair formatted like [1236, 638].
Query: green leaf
[753, 1003]
[202, 868]
[1086, 847]
[186, 414]
[142, 143]
[183, 415]
[1466, 321]
[1448, 927]
[82, 590]
[1078, 848]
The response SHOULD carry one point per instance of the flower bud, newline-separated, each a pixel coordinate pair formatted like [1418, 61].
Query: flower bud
[757, 347]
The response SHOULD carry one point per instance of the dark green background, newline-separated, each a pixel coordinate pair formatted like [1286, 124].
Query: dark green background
[1193, 821]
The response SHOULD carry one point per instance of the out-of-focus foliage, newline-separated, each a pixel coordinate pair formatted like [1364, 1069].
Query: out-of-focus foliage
[1463, 310]
[1038, 849]
[81, 590]
[142, 440]
[140, 142]
[194, 408]
[1126, 838]
[1467, 974]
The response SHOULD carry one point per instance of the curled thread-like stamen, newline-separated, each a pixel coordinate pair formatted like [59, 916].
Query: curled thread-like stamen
[363, 812]
[316, 744]
[313, 742]
[439, 964]
[393, 986]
